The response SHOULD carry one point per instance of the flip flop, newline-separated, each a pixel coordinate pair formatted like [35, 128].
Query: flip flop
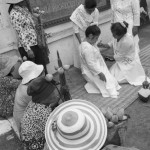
[109, 58]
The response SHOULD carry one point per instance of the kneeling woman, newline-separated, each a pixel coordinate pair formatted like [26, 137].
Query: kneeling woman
[45, 97]
[94, 68]
[128, 68]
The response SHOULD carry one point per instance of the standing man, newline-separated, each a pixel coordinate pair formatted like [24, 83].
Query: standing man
[83, 16]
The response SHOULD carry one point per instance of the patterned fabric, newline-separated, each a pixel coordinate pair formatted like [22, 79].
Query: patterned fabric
[8, 87]
[33, 125]
[23, 23]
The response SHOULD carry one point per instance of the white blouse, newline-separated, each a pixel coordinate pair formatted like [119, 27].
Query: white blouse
[81, 20]
[124, 50]
[126, 10]
[91, 59]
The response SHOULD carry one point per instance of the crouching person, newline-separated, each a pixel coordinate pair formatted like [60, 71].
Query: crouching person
[45, 97]
[9, 81]
[28, 71]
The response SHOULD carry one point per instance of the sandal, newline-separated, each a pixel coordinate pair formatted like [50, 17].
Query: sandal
[109, 58]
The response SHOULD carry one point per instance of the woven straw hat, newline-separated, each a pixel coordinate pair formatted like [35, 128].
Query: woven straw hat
[29, 70]
[76, 125]
[10, 1]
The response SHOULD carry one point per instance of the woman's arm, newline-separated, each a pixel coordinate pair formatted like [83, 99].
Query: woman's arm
[136, 16]
[19, 25]
[76, 31]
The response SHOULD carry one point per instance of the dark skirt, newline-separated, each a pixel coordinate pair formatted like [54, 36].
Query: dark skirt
[40, 57]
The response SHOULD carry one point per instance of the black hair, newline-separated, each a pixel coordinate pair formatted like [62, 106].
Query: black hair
[10, 8]
[20, 4]
[94, 30]
[89, 4]
[119, 29]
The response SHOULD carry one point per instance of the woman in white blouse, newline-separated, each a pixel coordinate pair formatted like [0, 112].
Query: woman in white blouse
[128, 68]
[129, 11]
[83, 16]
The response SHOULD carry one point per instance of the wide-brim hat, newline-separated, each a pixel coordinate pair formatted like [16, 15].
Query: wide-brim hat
[10, 1]
[76, 125]
[6, 64]
[29, 71]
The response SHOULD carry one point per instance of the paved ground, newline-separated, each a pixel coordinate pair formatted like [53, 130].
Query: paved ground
[138, 133]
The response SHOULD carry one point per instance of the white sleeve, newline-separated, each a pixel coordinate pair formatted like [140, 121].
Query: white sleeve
[96, 17]
[90, 60]
[75, 28]
[112, 11]
[136, 12]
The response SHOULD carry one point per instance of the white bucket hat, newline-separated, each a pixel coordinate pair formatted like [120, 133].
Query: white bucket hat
[29, 70]
[10, 1]
[76, 125]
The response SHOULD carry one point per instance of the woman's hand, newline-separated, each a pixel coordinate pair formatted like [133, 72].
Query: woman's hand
[135, 30]
[102, 77]
[30, 54]
[101, 45]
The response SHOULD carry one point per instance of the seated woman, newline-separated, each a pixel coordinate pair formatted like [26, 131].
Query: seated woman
[128, 68]
[8, 83]
[94, 68]
[45, 97]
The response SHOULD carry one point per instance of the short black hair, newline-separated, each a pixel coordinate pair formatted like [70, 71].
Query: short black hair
[94, 30]
[89, 4]
[118, 29]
